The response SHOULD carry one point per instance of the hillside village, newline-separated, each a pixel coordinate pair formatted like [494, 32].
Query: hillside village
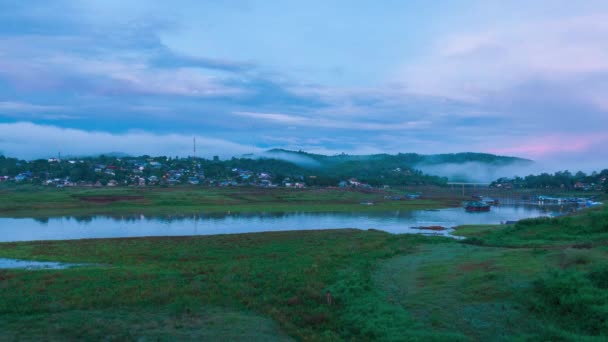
[108, 171]
[596, 181]
[376, 171]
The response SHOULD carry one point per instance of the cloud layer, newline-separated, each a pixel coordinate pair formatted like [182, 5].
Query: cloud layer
[519, 78]
[23, 139]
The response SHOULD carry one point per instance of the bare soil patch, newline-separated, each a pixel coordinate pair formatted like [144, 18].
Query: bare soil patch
[474, 266]
[109, 199]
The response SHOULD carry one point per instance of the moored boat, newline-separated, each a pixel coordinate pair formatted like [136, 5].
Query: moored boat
[476, 206]
[490, 201]
[437, 228]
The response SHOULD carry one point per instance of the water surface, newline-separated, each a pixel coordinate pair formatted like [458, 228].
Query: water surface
[65, 228]
[33, 265]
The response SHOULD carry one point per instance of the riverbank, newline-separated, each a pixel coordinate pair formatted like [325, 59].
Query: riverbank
[539, 279]
[30, 201]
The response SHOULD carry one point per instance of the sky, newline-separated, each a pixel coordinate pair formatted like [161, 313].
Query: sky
[520, 78]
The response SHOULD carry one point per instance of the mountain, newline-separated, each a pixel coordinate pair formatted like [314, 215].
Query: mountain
[410, 159]
[459, 167]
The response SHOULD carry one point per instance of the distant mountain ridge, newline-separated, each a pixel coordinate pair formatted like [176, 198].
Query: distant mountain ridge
[455, 167]
[409, 159]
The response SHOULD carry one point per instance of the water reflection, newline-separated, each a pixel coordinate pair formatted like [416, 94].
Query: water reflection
[399, 221]
[33, 265]
[167, 218]
[42, 220]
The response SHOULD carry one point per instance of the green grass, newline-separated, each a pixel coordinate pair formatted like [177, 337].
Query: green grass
[282, 276]
[588, 228]
[540, 279]
[475, 230]
[468, 289]
[30, 201]
[173, 323]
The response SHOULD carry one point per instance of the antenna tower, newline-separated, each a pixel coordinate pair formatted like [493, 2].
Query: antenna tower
[194, 152]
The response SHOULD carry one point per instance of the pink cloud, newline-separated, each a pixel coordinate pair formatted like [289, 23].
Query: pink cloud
[552, 145]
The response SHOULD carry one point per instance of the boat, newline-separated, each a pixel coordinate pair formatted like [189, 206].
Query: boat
[490, 201]
[476, 206]
[436, 228]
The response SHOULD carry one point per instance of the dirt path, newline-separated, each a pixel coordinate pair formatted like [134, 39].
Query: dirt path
[456, 287]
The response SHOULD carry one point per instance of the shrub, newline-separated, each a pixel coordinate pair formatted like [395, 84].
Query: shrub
[599, 277]
[572, 299]
[474, 241]
[572, 257]
[535, 221]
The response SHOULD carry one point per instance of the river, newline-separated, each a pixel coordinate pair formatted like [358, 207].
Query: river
[398, 222]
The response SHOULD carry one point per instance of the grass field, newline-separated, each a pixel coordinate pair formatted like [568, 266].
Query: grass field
[282, 276]
[540, 279]
[30, 201]
[476, 230]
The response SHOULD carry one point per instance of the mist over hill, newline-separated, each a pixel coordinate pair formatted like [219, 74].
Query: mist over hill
[456, 167]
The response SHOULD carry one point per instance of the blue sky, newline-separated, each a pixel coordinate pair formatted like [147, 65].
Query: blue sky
[518, 78]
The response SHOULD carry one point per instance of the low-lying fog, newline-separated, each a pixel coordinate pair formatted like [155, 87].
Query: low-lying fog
[486, 173]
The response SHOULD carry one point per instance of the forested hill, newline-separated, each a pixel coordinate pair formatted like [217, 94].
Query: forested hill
[403, 159]
[394, 169]
[271, 167]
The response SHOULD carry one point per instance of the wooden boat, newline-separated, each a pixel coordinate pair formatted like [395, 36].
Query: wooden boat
[438, 228]
[476, 207]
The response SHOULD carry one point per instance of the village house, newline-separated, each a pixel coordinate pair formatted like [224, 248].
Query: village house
[265, 183]
[228, 183]
[264, 175]
[23, 176]
[295, 185]
[582, 186]
[155, 165]
[355, 183]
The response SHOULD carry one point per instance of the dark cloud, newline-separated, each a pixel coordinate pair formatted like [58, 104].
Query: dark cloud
[167, 59]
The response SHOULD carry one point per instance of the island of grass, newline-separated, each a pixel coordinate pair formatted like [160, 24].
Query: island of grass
[540, 279]
[37, 201]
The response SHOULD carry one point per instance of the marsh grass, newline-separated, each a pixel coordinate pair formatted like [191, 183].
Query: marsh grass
[573, 302]
[588, 228]
[282, 276]
[32, 201]
[541, 279]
